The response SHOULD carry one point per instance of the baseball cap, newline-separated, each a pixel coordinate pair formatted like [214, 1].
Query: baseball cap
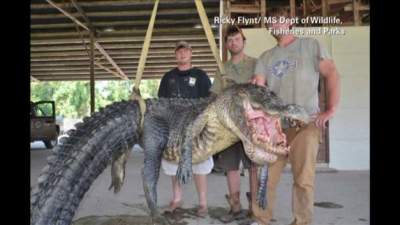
[182, 44]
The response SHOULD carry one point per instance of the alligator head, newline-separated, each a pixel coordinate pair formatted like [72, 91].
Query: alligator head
[254, 114]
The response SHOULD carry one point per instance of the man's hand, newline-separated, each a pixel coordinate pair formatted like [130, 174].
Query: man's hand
[328, 70]
[258, 80]
[322, 118]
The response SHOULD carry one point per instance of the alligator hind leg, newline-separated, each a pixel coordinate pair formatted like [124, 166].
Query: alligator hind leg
[155, 132]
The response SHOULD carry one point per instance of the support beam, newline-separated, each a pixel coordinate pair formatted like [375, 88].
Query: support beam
[92, 82]
[131, 13]
[120, 33]
[82, 13]
[245, 9]
[100, 67]
[356, 12]
[107, 69]
[83, 64]
[86, 74]
[108, 57]
[68, 15]
[292, 8]
[159, 38]
[209, 34]
[135, 57]
[104, 75]
[98, 46]
[92, 35]
[325, 8]
[333, 2]
[314, 6]
[160, 52]
[226, 5]
[156, 46]
[124, 3]
[122, 23]
[263, 9]
[350, 7]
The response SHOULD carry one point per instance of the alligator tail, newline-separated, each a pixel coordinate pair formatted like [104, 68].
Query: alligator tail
[80, 159]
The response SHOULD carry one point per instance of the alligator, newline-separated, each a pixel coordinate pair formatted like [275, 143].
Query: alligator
[184, 131]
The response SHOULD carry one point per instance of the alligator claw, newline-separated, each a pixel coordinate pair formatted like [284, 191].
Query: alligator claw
[184, 174]
[261, 200]
[262, 187]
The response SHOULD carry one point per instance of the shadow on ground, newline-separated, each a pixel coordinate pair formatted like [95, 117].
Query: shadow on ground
[179, 217]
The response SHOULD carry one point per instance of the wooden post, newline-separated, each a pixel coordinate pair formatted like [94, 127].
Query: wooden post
[292, 8]
[324, 5]
[92, 82]
[209, 34]
[226, 13]
[356, 12]
[263, 11]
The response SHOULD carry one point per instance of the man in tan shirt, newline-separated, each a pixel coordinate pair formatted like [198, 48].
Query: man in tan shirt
[239, 68]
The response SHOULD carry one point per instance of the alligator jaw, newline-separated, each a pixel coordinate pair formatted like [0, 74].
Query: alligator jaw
[258, 155]
[265, 136]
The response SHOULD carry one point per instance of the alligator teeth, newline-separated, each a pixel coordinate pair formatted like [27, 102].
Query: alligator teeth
[254, 137]
[268, 146]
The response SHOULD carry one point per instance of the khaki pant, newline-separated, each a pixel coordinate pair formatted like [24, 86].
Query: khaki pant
[303, 155]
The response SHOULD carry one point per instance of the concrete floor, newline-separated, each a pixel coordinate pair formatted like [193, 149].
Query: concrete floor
[349, 189]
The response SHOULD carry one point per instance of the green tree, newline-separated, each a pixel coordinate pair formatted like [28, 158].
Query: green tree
[73, 97]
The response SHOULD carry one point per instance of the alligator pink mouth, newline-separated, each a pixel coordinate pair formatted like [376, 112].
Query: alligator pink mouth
[266, 135]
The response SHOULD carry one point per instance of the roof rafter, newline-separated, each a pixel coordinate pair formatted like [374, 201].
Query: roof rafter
[97, 45]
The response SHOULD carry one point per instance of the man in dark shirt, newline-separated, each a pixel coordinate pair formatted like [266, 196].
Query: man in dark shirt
[186, 81]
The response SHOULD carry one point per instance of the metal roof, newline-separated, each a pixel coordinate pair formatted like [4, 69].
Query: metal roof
[58, 52]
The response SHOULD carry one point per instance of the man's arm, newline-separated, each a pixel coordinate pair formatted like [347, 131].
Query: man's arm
[259, 77]
[205, 84]
[163, 89]
[328, 70]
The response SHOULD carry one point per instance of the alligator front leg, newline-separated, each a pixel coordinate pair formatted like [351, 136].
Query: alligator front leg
[184, 172]
[262, 187]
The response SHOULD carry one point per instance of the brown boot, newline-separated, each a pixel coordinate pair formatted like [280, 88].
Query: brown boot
[236, 208]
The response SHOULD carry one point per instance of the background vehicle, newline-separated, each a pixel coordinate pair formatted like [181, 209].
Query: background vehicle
[43, 123]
